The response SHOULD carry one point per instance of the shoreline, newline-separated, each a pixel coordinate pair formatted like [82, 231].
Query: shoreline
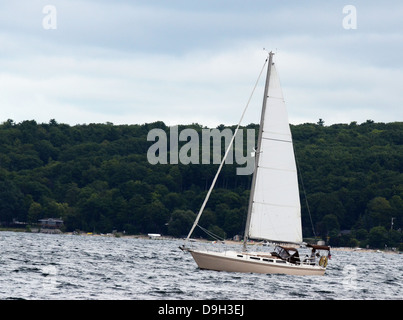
[205, 241]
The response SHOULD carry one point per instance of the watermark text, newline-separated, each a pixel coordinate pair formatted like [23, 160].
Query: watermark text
[165, 150]
[350, 20]
[49, 22]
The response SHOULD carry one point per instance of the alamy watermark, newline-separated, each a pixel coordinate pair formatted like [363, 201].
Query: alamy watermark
[49, 21]
[50, 273]
[166, 150]
[350, 20]
[349, 278]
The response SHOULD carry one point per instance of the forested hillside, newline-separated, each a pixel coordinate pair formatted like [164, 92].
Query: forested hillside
[97, 178]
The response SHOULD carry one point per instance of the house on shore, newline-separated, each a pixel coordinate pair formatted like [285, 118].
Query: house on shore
[50, 225]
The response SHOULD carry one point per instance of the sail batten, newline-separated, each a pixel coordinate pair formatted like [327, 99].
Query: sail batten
[278, 169]
[280, 140]
[275, 213]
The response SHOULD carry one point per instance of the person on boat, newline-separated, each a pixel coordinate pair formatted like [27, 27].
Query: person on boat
[314, 254]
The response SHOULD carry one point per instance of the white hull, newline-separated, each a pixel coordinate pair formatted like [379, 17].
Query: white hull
[242, 262]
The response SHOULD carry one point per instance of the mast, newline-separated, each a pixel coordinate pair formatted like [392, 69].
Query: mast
[259, 142]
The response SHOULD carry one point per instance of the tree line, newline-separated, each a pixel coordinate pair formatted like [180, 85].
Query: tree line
[96, 177]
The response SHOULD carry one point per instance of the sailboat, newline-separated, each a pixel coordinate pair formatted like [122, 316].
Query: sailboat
[274, 211]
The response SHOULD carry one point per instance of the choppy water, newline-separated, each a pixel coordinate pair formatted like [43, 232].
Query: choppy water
[41, 266]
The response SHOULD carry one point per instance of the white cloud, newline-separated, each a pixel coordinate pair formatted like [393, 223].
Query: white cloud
[339, 91]
[141, 88]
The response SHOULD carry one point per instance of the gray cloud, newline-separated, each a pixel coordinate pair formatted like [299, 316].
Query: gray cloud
[196, 61]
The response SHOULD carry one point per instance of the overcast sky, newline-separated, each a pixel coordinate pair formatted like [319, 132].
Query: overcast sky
[186, 61]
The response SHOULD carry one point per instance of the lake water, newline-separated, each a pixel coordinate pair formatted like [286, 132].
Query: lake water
[42, 266]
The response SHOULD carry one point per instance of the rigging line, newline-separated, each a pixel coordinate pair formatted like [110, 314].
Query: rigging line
[225, 155]
[303, 189]
[211, 234]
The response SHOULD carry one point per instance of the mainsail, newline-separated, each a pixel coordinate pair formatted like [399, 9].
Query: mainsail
[275, 212]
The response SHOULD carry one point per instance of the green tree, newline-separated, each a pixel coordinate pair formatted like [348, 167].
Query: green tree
[379, 212]
[34, 212]
[181, 222]
[97, 177]
[11, 202]
[234, 221]
[378, 237]
[154, 217]
[330, 224]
